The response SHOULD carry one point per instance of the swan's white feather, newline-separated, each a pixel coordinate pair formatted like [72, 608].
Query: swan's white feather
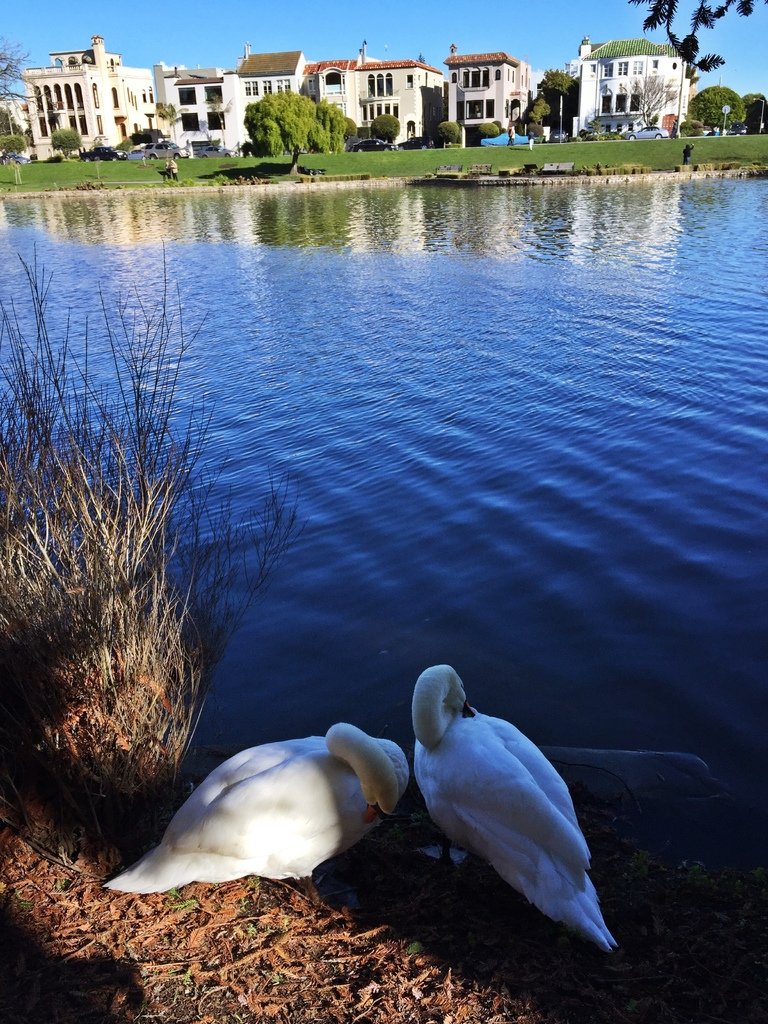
[492, 791]
[276, 810]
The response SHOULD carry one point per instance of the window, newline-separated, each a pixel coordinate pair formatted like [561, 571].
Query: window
[489, 110]
[389, 87]
[409, 81]
[623, 68]
[608, 71]
[187, 97]
[654, 65]
[460, 110]
[465, 79]
[68, 97]
[190, 122]
[95, 95]
[283, 85]
[371, 85]
[497, 75]
[637, 67]
[621, 103]
[216, 121]
[486, 78]
[634, 102]
[379, 85]
[605, 104]
[73, 121]
[333, 82]
[267, 86]
[454, 77]
[83, 125]
[78, 96]
[115, 100]
[251, 88]
[99, 125]
[475, 78]
[213, 94]
[396, 110]
[474, 110]
[43, 126]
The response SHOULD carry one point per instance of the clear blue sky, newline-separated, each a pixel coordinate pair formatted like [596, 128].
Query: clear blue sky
[547, 34]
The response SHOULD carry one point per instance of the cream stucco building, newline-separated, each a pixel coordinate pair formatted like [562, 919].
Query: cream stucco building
[92, 91]
[485, 87]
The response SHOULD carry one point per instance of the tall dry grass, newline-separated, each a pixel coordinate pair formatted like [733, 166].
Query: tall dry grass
[118, 575]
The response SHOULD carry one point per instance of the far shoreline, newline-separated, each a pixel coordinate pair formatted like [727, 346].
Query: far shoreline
[316, 184]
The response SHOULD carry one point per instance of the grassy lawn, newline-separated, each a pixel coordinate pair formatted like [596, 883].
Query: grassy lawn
[656, 154]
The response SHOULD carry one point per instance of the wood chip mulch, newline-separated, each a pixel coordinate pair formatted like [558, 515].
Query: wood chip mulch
[431, 944]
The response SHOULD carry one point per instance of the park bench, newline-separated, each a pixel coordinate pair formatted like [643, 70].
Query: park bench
[530, 168]
[450, 169]
[311, 171]
[477, 169]
[557, 168]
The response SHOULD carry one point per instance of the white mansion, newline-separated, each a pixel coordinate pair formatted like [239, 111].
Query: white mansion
[626, 82]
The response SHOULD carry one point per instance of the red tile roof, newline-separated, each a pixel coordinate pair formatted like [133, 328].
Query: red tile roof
[318, 66]
[477, 58]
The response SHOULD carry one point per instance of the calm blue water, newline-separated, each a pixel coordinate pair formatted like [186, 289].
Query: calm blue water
[528, 432]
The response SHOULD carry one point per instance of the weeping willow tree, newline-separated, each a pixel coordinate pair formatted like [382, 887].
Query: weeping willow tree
[117, 572]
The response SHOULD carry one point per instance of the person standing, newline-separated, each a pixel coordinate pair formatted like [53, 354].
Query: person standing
[172, 168]
[687, 153]
[531, 136]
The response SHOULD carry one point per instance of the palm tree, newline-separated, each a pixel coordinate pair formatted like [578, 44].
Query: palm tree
[169, 113]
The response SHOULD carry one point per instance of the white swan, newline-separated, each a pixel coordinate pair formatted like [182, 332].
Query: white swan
[277, 810]
[492, 791]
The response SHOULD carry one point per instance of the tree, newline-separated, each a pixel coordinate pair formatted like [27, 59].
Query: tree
[539, 110]
[169, 113]
[649, 95]
[67, 140]
[11, 69]
[334, 122]
[449, 133]
[489, 130]
[663, 13]
[285, 122]
[350, 128]
[13, 143]
[558, 87]
[385, 127]
[707, 105]
[754, 111]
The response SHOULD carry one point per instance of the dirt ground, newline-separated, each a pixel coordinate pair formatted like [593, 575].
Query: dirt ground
[430, 943]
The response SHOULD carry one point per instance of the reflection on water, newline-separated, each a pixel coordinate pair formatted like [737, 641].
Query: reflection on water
[576, 223]
[528, 429]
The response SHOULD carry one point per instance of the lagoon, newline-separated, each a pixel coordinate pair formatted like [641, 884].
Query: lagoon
[528, 433]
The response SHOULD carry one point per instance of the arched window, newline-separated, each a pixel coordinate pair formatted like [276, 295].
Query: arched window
[68, 97]
[73, 62]
[48, 100]
[58, 63]
[57, 95]
[454, 77]
[371, 85]
[497, 76]
[410, 129]
[333, 81]
[115, 101]
[486, 78]
[79, 96]
[96, 96]
[389, 86]
[379, 85]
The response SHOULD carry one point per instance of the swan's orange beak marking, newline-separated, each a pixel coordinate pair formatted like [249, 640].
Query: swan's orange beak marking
[371, 814]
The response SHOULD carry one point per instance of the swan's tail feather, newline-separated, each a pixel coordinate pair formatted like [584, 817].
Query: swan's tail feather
[157, 871]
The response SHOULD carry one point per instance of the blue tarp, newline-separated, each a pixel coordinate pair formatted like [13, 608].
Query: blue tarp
[503, 140]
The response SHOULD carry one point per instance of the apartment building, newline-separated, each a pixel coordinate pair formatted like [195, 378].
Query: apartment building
[485, 87]
[92, 91]
[625, 83]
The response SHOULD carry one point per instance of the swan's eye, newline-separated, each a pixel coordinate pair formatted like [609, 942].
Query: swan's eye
[466, 711]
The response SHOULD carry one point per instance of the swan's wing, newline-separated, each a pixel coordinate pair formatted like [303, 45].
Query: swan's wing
[486, 799]
[528, 754]
[276, 813]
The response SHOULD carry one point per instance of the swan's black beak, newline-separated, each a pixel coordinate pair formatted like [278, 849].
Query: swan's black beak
[466, 711]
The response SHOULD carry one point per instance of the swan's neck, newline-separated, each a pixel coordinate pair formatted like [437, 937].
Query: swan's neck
[369, 761]
[438, 698]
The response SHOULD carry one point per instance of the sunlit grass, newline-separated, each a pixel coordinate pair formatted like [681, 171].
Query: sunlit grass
[661, 154]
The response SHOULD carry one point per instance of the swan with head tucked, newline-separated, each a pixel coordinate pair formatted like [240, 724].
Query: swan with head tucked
[276, 810]
[492, 791]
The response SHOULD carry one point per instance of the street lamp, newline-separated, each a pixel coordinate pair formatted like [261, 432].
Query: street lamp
[762, 111]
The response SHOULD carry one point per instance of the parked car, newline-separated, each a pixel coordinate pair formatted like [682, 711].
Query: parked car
[211, 151]
[136, 154]
[14, 158]
[556, 135]
[417, 142]
[372, 146]
[163, 150]
[737, 128]
[651, 132]
[103, 153]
